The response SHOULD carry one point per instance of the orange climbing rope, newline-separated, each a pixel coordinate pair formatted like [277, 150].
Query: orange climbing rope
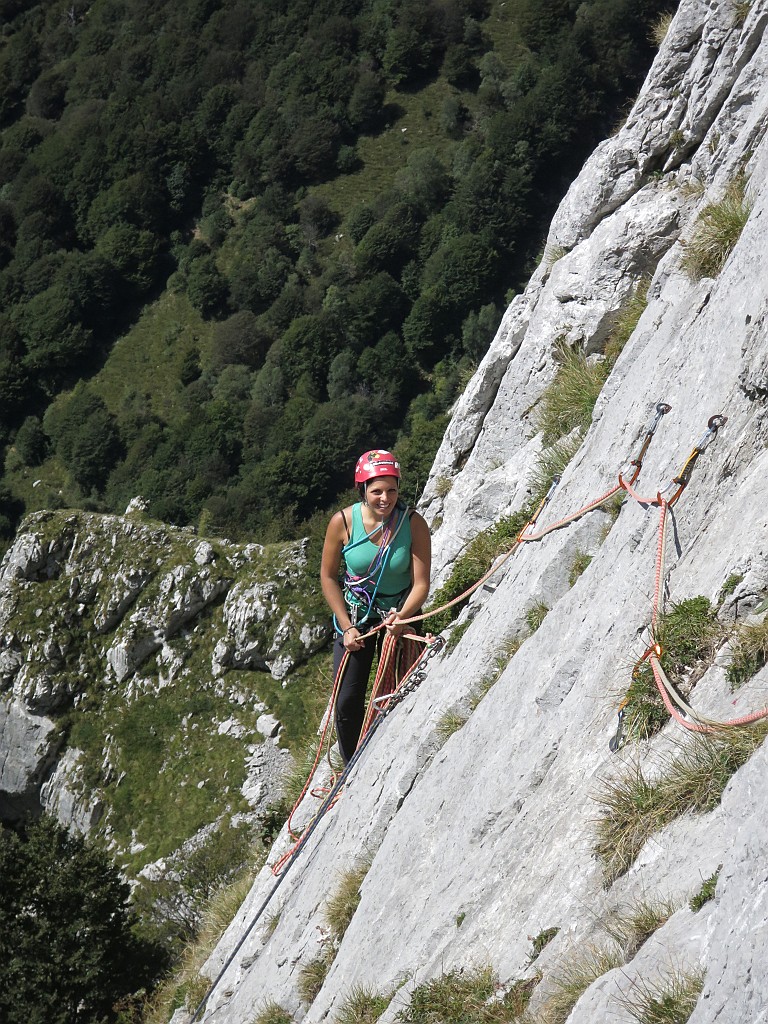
[675, 704]
[393, 674]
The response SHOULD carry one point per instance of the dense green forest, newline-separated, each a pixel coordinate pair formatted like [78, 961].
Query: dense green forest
[240, 242]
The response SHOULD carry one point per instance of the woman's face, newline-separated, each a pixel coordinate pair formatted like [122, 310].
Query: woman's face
[381, 495]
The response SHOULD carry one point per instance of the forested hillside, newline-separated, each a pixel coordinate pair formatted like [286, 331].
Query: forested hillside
[241, 241]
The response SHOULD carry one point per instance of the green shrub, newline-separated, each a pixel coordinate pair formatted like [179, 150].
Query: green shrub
[717, 231]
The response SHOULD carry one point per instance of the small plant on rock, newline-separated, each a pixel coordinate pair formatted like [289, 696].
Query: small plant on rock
[540, 941]
[362, 1006]
[467, 996]
[568, 402]
[313, 974]
[341, 906]
[749, 653]
[660, 27]
[631, 925]
[535, 616]
[670, 999]
[706, 892]
[272, 1013]
[580, 562]
[717, 231]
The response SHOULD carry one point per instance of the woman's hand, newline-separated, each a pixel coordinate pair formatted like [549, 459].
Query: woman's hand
[393, 625]
[352, 640]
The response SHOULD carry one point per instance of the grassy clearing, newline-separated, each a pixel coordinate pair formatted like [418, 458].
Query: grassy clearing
[691, 780]
[669, 999]
[467, 996]
[749, 652]
[717, 231]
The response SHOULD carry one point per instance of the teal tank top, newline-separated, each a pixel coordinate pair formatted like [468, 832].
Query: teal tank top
[393, 575]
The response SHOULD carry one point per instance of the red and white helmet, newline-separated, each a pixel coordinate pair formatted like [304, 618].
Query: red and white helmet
[376, 462]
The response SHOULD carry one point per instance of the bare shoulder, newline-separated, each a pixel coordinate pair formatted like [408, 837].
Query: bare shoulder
[419, 525]
[340, 524]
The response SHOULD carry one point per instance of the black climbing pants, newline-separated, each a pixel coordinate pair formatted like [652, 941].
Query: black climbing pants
[350, 701]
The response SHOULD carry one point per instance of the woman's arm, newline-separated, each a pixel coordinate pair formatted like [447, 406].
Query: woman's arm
[335, 538]
[421, 565]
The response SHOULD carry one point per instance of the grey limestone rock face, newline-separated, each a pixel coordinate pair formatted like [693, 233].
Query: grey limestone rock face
[482, 841]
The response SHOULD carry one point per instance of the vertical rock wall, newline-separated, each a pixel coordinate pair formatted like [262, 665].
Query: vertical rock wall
[484, 840]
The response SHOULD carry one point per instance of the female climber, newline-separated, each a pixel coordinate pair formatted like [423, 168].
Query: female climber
[386, 549]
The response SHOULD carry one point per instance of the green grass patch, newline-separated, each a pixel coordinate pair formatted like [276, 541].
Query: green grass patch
[717, 231]
[691, 780]
[146, 362]
[688, 634]
[535, 615]
[362, 1006]
[668, 999]
[467, 996]
[475, 561]
[567, 403]
[706, 892]
[626, 320]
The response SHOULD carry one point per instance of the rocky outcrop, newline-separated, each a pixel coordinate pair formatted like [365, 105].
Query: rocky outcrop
[486, 840]
[102, 614]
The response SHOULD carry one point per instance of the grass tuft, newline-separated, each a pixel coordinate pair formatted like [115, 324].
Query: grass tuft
[539, 942]
[272, 1013]
[579, 564]
[660, 27]
[573, 978]
[717, 231]
[535, 615]
[341, 906]
[749, 653]
[626, 320]
[467, 996]
[691, 780]
[632, 925]
[706, 892]
[313, 974]
[670, 999]
[362, 1006]
[568, 402]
